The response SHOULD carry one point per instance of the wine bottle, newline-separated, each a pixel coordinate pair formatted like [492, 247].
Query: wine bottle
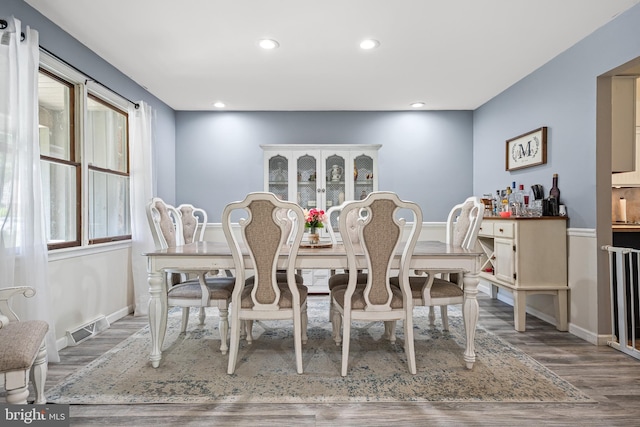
[555, 191]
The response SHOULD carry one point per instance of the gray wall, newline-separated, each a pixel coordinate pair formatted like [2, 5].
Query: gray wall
[561, 95]
[425, 157]
[70, 50]
[434, 158]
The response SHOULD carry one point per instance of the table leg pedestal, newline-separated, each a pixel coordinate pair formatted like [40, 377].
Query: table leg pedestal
[470, 316]
[157, 316]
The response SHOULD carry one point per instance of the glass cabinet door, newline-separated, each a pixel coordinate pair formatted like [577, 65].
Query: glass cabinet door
[307, 180]
[363, 168]
[321, 176]
[335, 174]
[279, 176]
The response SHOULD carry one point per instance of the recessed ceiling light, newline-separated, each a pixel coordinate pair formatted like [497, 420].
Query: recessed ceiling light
[418, 104]
[369, 44]
[268, 44]
[219, 104]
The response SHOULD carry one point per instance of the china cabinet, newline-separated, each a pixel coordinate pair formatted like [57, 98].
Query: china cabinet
[321, 176]
[526, 256]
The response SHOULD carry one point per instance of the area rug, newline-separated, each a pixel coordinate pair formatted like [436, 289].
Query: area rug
[193, 370]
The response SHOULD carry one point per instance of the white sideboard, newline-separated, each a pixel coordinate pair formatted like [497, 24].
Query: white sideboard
[526, 256]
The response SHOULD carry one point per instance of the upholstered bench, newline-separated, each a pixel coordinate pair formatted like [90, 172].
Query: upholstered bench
[23, 352]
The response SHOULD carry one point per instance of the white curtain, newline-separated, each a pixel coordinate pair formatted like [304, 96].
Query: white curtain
[143, 188]
[23, 245]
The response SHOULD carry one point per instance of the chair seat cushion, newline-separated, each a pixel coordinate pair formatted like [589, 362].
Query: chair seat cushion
[343, 279]
[219, 288]
[439, 289]
[281, 277]
[286, 300]
[19, 344]
[357, 300]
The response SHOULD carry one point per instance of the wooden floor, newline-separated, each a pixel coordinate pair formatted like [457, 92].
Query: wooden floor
[607, 375]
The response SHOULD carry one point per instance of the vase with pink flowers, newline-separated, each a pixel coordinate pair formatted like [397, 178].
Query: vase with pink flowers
[314, 219]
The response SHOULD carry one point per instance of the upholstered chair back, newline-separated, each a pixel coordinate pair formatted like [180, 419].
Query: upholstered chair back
[264, 230]
[268, 225]
[165, 223]
[289, 218]
[376, 228]
[463, 223]
[194, 222]
[352, 216]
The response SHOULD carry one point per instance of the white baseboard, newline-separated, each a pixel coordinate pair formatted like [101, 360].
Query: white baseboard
[589, 336]
[117, 315]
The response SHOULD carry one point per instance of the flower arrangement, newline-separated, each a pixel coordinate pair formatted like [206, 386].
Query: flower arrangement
[314, 218]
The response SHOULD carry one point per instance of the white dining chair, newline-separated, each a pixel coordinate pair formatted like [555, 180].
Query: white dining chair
[380, 233]
[264, 232]
[441, 288]
[203, 291]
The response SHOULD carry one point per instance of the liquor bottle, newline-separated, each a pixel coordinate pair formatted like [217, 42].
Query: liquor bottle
[519, 200]
[506, 200]
[497, 202]
[511, 195]
[555, 191]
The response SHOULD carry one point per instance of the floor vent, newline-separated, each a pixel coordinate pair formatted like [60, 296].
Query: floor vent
[86, 331]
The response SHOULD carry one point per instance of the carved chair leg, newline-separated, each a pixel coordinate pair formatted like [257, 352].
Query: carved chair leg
[39, 374]
[236, 325]
[432, 316]
[336, 321]
[331, 313]
[390, 331]
[185, 319]
[345, 348]
[248, 324]
[203, 315]
[304, 320]
[243, 329]
[17, 396]
[224, 329]
[445, 317]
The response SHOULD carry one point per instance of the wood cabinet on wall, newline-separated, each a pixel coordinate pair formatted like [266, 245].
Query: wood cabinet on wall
[320, 176]
[619, 121]
[629, 179]
[527, 256]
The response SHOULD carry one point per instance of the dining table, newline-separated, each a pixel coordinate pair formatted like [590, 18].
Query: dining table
[208, 256]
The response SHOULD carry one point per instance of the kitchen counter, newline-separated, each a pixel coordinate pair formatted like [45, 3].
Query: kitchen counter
[626, 235]
[625, 228]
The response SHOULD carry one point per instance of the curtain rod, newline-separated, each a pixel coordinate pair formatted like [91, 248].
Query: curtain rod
[4, 24]
[88, 77]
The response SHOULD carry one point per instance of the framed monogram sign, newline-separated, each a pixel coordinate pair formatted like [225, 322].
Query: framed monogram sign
[529, 149]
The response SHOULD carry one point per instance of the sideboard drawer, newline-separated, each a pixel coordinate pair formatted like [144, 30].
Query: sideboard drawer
[503, 229]
[486, 229]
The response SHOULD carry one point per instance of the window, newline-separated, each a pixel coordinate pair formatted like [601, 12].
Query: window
[84, 153]
[60, 170]
[108, 162]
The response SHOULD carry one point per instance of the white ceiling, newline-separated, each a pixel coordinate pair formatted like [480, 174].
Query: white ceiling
[451, 54]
